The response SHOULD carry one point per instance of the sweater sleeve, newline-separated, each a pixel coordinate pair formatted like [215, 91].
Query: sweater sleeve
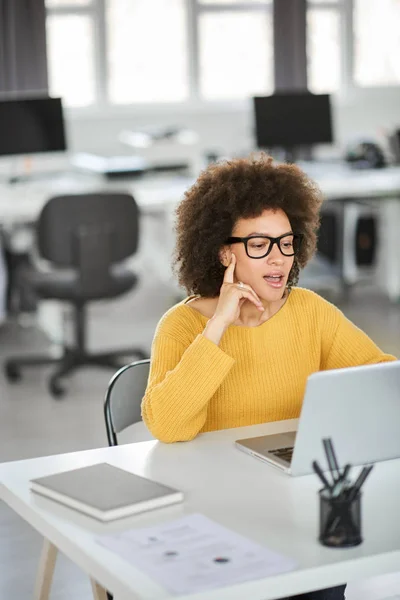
[182, 381]
[345, 345]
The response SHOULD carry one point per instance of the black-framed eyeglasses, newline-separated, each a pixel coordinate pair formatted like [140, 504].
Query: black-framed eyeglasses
[259, 246]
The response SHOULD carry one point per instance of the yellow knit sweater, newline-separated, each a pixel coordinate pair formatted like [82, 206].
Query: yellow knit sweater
[255, 375]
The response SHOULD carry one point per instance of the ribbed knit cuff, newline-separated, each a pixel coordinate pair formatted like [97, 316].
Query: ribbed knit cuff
[210, 359]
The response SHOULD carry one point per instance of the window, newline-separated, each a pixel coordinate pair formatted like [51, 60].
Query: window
[66, 3]
[71, 65]
[323, 50]
[164, 51]
[142, 51]
[147, 51]
[235, 48]
[376, 42]
[234, 2]
[235, 54]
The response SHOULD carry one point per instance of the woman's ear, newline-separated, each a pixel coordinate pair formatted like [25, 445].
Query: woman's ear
[225, 256]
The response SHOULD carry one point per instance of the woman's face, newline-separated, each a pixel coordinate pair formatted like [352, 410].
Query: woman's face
[267, 276]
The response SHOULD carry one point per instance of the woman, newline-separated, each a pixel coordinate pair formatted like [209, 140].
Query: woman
[238, 351]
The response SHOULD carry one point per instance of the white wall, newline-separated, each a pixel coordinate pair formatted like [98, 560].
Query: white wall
[227, 129]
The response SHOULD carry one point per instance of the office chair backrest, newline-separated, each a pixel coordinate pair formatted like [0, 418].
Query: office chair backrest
[123, 398]
[93, 228]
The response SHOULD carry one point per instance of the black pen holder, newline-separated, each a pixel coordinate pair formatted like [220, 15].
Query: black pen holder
[340, 520]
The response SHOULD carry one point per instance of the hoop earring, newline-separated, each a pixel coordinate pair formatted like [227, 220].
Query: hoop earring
[293, 278]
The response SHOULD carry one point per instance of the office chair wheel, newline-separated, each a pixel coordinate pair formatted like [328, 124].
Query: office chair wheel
[12, 372]
[55, 389]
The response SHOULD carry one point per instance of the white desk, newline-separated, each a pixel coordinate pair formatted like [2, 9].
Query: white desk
[20, 205]
[230, 487]
[22, 202]
[341, 181]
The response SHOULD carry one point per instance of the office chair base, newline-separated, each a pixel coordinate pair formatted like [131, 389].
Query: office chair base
[71, 360]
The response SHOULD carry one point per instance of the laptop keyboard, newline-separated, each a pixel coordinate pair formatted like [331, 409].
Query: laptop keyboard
[283, 453]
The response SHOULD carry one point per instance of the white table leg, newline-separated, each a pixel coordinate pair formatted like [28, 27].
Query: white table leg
[390, 241]
[351, 212]
[99, 593]
[45, 571]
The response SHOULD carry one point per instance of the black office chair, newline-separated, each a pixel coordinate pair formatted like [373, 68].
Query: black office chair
[85, 238]
[122, 406]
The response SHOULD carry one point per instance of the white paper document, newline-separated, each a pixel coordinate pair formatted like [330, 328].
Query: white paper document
[194, 554]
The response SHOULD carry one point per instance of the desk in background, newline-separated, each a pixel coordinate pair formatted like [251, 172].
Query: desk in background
[230, 487]
[21, 203]
[157, 197]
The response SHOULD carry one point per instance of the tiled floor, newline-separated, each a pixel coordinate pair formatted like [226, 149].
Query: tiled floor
[34, 424]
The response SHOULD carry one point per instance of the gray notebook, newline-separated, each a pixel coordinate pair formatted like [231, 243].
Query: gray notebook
[105, 492]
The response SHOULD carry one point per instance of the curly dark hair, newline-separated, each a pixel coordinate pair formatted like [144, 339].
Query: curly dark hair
[240, 189]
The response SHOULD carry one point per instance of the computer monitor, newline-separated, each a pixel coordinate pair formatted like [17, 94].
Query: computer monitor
[292, 120]
[30, 125]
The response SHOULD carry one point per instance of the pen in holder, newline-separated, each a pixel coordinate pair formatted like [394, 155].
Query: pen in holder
[339, 502]
[340, 520]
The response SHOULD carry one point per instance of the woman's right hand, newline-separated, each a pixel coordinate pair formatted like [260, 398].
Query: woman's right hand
[232, 296]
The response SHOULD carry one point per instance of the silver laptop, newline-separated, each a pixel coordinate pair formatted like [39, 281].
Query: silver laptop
[358, 407]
